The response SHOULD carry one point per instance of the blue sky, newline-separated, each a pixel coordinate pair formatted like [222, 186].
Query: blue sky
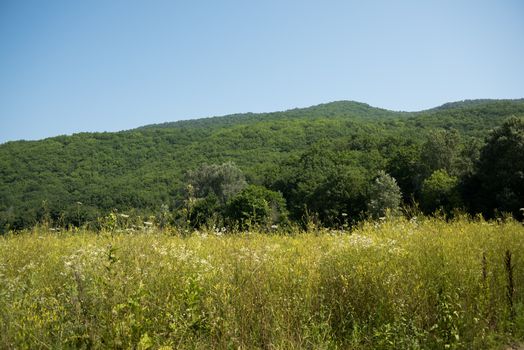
[72, 66]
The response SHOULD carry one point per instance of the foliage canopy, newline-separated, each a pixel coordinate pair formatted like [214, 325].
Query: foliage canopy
[322, 159]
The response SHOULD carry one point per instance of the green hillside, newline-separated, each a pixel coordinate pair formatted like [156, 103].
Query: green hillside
[75, 179]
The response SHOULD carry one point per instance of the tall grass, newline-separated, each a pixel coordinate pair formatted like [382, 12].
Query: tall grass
[400, 284]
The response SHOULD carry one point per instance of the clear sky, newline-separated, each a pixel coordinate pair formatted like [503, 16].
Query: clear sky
[72, 66]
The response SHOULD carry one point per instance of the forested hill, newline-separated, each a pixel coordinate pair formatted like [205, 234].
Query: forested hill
[346, 109]
[300, 152]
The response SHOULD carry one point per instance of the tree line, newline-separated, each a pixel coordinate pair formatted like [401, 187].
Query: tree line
[332, 164]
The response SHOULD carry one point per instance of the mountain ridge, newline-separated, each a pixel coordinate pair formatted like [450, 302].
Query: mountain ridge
[229, 119]
[361, 105]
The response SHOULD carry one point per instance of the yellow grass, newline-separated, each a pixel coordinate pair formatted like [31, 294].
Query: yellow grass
[395, 285]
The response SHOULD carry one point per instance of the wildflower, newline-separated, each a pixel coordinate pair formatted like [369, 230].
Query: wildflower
[360, 241]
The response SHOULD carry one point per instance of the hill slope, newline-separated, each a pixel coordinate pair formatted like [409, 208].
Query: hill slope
[144, 168]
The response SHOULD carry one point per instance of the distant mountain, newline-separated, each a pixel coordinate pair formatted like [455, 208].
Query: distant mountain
[345, 109]
[473, 103]
[141, 169]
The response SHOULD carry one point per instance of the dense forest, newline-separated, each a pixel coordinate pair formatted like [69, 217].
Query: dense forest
[332, 164]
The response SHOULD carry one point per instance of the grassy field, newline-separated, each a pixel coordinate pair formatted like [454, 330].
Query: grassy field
[419, 284]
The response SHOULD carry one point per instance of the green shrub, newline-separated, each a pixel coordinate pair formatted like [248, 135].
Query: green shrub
[256, 205]
[384, 196]
[439, 192]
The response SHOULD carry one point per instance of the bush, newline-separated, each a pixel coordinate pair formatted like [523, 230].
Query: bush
[204, 210]
[256, 205]
[384, 196]
[439, 192]
[224, 181]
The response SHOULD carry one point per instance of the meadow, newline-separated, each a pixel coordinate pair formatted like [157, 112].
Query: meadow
[397, 284]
